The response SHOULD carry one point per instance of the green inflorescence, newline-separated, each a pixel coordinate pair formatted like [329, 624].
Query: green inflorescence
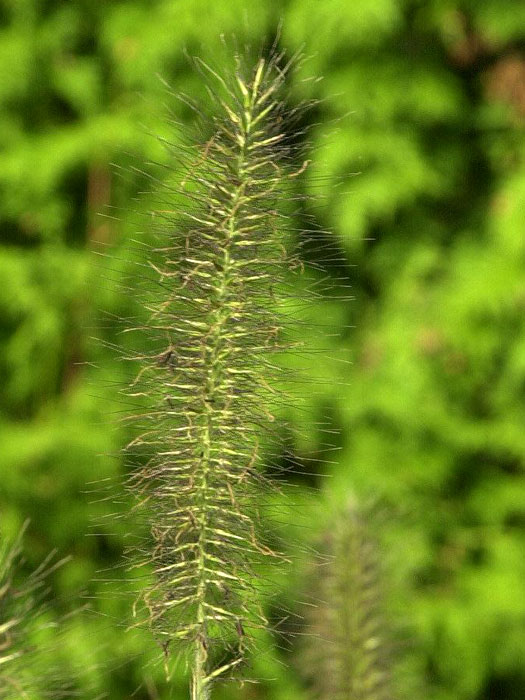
[347, 655]
[206, 383]
[27, 665]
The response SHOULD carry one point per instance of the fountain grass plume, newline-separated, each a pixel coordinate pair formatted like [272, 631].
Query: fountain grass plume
[214, 287]
[26, 669]
[346, 654]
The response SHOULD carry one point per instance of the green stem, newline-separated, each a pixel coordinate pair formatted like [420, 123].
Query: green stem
[199, 684]
[199, 690]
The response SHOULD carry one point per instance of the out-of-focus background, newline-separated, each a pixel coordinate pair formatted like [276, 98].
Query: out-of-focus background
[425, 100]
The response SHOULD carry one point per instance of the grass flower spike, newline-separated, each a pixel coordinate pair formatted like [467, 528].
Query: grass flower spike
[205, 384]
[346, 652]
[26, 669]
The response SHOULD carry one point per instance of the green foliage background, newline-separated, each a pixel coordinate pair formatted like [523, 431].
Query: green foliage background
[425, 99]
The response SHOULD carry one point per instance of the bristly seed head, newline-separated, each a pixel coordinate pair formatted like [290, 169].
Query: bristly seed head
[346, 651]
[27, 665]
[206, 383]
